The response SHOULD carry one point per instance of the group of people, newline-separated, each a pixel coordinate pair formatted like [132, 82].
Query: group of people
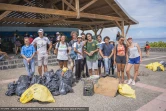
[84, 51]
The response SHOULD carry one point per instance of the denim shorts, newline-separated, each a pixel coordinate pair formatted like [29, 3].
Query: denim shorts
[100, 62]
[134, 60]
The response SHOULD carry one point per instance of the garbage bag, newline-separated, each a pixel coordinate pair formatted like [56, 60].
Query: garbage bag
[153, 66]
[68, 77]
[36, 79]
[126, 90]
[62, 88]
[55, 93]
[11, 89]
[22, 84]
[37, 92]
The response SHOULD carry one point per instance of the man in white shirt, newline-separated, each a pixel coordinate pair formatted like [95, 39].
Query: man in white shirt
[42, 52]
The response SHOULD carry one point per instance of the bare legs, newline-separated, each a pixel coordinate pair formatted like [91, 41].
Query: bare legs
[136, 68]
[120, 71]
[129, 66]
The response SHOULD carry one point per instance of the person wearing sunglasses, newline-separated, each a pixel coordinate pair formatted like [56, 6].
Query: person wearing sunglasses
[135, 58]
[120, 52]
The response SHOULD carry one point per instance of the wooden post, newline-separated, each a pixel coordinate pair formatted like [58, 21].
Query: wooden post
[127, 30]
[77, 6]
[122, 28]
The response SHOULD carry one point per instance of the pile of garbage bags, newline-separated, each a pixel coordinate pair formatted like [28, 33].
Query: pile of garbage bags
[55, 82]
[156, 66]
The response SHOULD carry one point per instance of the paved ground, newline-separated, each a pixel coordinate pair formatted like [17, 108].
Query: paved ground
[150, 92]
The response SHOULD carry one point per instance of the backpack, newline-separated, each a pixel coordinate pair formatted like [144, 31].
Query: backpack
[66, 45]
[124, 47]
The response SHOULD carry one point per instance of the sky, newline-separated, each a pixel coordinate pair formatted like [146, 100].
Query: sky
[151, 15]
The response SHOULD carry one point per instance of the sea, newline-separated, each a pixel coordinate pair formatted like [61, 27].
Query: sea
[142, 41]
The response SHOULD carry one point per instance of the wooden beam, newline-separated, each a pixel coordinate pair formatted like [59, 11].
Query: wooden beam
[50, 20]
[122, 30]
[119, 26]
[4, 14]
[19, 8]
[77, 5]
[68, 4]
[87, 5]
[63, 5]
[71, 1]
[127, 30]
[101, 31]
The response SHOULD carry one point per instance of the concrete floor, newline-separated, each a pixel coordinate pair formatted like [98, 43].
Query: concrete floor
[144, 95]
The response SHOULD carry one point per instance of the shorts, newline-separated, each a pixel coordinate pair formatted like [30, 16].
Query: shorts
[42, 59]
[92, 64]
[134, 60]
[62, 60]
[120, 59]
[100, 62]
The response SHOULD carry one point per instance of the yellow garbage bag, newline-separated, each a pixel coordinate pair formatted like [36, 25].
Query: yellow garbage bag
[37, 92]
[153, 66]
[126, 90]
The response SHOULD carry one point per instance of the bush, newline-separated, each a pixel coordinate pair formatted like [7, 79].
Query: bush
[157, 44]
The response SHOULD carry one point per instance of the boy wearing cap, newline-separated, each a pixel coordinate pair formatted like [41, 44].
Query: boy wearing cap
[79, 59]
[42, 52]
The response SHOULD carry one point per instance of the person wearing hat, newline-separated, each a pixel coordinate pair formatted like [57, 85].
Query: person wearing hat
[78, 48]
[134, 58]
[42, 52]
[112, 59]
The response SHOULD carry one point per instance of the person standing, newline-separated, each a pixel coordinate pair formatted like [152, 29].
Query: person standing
[79, 59]
[106, 51]
[71, 45]
[147, 47]
[17, 44]
[120, 52]
[84, 61]
[112, 58]
[28, 53]
[135, 58]
[91, 49]
[30, 39]
[42, 52]
[61, 50]
[100, 59]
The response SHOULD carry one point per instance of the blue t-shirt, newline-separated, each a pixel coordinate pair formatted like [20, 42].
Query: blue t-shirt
[107, 49]
[28, 51]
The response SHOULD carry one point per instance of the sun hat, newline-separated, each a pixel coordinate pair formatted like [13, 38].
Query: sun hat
[111, 40]
[79, 36]
[40, 30]
[57, 33]
[129, 38]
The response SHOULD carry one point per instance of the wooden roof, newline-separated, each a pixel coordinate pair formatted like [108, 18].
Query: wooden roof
[82, 14]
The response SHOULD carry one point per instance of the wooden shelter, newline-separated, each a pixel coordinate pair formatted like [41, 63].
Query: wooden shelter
[81, 14]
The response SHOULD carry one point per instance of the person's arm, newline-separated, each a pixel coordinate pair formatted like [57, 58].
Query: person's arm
[127, 43]
[140, 52]
[22, 53]
[34, 52]
[115, 55]
[87, 53]
[56, 48]
[111, 53]
[50, 45]
[127, 55]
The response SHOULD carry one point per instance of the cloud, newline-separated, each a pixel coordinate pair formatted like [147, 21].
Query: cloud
[150, 14]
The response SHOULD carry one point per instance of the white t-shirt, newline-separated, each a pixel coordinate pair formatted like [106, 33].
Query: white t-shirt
[79, 49]
[41, 44]
[62, 51]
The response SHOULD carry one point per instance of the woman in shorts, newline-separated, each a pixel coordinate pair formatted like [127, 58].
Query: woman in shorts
[135, 58]
[120, 52]
[61, 49]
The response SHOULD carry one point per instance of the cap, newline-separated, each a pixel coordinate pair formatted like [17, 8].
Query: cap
[57, 33]
[40, 30]
[58, 38]
[79, 36]
[129, 38]
[111, 40]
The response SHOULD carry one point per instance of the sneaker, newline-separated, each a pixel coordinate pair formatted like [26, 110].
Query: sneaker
[129, 81]
[133, 83]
